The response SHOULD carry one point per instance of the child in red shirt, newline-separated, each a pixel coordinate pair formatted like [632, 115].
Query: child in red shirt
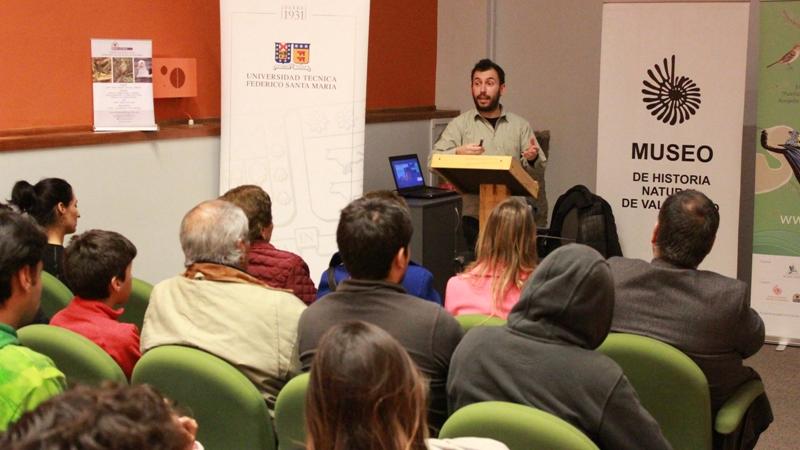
[97, 268]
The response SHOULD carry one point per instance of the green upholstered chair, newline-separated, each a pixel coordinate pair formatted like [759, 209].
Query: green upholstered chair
[137, 303]
[675, 391]
[290, 414]
[520, 427]
[230, 411]
[55, 294]
[81, 360]
[470, 321]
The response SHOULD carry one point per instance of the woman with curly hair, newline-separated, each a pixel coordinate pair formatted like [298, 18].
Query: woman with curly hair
[106, 418]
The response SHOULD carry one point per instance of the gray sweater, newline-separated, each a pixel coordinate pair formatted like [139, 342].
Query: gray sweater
[428, 332]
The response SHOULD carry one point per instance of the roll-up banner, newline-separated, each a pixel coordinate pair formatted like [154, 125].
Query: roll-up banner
[672, 84]
[293, 106]
[776, 226]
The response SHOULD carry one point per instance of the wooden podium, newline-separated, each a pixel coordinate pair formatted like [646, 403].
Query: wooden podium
[494, 178]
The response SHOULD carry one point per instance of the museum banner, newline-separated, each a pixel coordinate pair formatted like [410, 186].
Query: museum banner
[293, 107]
[776, 226]
[672, 84]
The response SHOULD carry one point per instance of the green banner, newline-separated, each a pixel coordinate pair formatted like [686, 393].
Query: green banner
[776, 229]
[775, 286]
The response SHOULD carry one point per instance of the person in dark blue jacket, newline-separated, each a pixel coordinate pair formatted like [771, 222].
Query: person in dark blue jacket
[418, 280]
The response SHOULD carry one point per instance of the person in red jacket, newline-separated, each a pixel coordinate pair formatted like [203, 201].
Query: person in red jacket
[97, 268]
[277, 268]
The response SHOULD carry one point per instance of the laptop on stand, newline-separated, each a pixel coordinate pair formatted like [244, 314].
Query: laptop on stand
[407, 174]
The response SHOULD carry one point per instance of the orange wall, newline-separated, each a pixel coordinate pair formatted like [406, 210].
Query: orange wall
[46, 79]
[45, 74]
[402, 54]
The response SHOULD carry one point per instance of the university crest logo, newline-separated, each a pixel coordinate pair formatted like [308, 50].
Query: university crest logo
[283, 52]
[301, 53]
[292, 53]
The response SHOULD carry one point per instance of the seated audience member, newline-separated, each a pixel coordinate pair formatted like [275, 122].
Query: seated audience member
[544, 356]
[702, 313]
[97, 268]
[418, 281]
[53, 204]
[373, 236]
[364, 392]
[505, 258]
[105, 418]
[27, 378]
[277, 268]
[218, 307]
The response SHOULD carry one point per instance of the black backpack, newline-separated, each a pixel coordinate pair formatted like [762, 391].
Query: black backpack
[582, 217]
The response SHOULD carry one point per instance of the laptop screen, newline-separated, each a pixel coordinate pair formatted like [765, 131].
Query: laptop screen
[406, 172]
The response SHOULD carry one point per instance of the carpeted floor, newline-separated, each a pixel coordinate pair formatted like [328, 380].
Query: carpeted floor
[781, 374]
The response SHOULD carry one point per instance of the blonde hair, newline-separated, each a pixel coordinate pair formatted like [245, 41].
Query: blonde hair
[506, 248]
[364, 393]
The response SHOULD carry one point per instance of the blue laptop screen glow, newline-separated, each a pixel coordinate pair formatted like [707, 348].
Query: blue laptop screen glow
[407, 173]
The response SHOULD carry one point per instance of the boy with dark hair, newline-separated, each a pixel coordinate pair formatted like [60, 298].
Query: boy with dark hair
[27, 378]
[417, 281]
[97, 267]
[373, 236]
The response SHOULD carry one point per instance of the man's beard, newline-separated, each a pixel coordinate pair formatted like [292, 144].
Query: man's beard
[490, 107]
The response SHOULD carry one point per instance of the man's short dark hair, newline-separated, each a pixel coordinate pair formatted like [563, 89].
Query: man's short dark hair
[687, 225]
[22, 243]
[487, 64]
[91, 418]
[93, 258]
[370, 233]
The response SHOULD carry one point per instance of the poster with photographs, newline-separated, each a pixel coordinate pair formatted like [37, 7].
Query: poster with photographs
[122, 85]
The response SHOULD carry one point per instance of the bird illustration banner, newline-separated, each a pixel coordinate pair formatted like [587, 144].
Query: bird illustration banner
[293, 109]
[776, 225]
[671, 109]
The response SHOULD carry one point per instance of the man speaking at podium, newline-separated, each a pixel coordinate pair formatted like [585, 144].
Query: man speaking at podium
[490, 130]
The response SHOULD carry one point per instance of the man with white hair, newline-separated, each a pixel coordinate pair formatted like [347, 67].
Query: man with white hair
[217, 307]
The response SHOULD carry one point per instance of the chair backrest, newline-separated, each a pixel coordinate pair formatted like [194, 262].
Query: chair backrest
[670, 386]
[470, 321]
[137, 303]
[290, 414]
[55, 294]
[230, 411]
[520, 427]
[81, 360]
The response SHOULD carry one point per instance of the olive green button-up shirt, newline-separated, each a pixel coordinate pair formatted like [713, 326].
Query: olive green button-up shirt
[510, 137]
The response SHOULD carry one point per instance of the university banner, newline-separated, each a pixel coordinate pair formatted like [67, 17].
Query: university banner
[293, 106]
[672, 83]
[776, 226]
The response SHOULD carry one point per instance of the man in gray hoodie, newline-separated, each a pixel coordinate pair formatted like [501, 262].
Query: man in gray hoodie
[544, 356]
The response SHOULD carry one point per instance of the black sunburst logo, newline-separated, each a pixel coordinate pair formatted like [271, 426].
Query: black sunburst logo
[670, 99]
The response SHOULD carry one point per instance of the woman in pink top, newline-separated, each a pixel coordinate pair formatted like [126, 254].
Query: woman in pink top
[505, 258]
